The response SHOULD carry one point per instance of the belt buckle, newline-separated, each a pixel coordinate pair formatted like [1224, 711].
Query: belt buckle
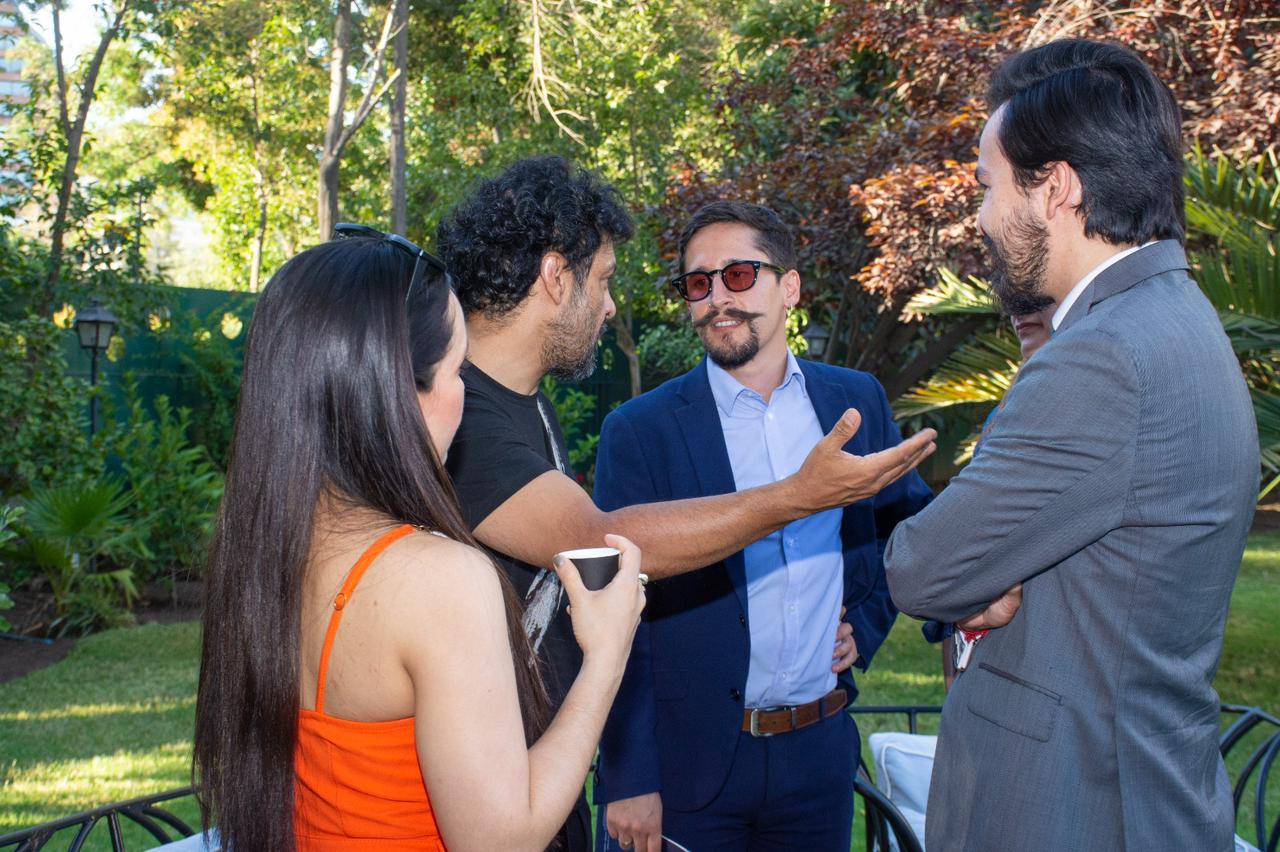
[754, 727]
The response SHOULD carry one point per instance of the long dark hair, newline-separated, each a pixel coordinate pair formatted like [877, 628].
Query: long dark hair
[327, 407]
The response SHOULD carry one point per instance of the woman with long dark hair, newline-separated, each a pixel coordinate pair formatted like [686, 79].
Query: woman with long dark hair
[359, 651]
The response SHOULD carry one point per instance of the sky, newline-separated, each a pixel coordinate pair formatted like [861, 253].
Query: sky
[81, 22]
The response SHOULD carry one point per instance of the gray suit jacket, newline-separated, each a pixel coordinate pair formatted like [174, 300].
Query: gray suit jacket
[1118, 485]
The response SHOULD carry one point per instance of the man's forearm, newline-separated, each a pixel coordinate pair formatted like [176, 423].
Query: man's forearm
[683, 535]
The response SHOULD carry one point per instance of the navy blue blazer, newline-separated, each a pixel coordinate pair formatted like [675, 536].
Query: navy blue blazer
[675, 723]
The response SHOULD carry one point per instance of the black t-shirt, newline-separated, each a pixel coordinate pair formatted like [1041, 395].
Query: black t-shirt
[504, 442]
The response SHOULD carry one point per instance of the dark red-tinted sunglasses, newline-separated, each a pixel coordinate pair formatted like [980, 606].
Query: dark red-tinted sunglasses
[737, 276]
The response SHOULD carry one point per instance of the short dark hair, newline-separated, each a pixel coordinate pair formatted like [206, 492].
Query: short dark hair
[773, 237]
[494, 240]
[1100, 109]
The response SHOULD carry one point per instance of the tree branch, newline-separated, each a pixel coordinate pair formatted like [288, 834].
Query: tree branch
[64, 120]
[369, 100]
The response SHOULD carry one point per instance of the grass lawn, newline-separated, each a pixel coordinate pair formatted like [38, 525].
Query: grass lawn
[114, 719]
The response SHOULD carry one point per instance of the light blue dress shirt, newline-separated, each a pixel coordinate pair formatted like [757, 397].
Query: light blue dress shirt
[795, 577]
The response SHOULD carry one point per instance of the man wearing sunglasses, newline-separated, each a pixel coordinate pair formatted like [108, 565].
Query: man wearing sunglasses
[532, 252]
[729, 731]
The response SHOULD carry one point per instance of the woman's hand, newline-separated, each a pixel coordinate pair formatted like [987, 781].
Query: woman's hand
[604, 622]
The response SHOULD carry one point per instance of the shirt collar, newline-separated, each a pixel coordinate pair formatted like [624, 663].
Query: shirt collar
[1061, 313]
[726, 389]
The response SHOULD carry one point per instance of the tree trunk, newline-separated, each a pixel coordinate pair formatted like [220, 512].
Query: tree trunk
[399, 199]
[74, 132]
[627, 343]
[837, 324]
[260, 232]
[259, 187]
[933, 355]
[331, 155]
[871, 354]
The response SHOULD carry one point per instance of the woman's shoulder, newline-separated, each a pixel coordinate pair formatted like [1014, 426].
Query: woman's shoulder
[429, 571]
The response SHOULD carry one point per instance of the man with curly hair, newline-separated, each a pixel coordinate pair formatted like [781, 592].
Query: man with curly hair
[532, 251]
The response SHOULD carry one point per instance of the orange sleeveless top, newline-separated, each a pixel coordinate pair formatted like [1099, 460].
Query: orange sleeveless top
[359, 786]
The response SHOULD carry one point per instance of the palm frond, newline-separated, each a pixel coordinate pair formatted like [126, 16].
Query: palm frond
[1251, 336]
[980, 371]
[953, 296]
[1225, 196]
[74, 513]
[1266, 407]
[1236, 205]
[1242, 277]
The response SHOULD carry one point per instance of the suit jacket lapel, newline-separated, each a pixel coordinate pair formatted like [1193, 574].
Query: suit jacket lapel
[827, 404]
[699, 421]
[1149, 261]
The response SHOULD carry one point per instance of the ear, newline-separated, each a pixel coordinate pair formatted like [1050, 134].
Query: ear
[555, 277]
[1063, 192]
[791, 288]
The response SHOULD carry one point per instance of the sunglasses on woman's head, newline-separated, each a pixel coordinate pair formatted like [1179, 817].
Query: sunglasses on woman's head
[737, 276]
[419, 255]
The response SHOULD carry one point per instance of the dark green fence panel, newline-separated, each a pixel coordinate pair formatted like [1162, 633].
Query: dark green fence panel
[154, 356]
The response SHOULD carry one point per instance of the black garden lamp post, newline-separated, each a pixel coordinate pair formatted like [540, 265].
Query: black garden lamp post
[96, 325]
[818, 337]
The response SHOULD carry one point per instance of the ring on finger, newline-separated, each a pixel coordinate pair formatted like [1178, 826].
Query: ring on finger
[644, 581]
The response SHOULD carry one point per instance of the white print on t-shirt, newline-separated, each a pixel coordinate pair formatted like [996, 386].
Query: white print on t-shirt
[543, 598]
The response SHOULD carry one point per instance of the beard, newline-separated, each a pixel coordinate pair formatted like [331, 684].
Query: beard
[730, 355]
[1018, 262]
[569, 350]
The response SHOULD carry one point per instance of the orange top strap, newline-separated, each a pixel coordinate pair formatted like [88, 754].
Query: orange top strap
[348, 588]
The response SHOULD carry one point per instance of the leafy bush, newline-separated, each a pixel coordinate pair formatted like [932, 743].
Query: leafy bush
[8, 514]
[172, 486]
[574, 410]
[78, 536]
[213, 364]
[42, 422]
[667, 351]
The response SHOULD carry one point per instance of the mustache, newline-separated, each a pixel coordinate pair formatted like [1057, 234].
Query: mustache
[731, 313]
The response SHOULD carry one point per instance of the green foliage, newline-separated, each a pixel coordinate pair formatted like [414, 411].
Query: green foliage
[1233, 223]
[667, 351]
[22, 264]
[8, 514]
[978, 372]
[1233, 219]
[213, 363]
[172, 487]
[43, 433]
[78, 535]
[574, 409]
[952, 295]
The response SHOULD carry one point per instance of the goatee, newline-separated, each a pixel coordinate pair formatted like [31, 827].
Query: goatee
[729, 356]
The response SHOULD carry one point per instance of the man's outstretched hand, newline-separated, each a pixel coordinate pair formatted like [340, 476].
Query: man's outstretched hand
[831, 478]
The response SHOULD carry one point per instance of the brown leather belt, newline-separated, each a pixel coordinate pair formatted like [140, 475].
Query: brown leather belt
[768, 721]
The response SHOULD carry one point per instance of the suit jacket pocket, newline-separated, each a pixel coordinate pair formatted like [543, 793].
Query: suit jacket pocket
[670, 684]
[1013, 703]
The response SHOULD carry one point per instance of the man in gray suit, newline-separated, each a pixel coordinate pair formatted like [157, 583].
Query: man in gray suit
[1117, 486]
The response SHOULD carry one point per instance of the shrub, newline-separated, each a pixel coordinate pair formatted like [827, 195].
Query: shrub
[213, 363]
[8, 514]
[172, 485]
[42, 422]
[79, 536]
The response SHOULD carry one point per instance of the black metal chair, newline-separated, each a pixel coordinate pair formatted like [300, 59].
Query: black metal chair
[145, 811]
[1256, 769]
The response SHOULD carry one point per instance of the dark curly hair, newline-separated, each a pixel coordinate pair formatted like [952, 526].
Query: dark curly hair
[493, 241]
